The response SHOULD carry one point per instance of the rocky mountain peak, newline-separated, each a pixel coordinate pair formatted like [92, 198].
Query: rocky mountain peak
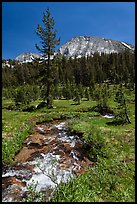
[27, 57]
[87, 45]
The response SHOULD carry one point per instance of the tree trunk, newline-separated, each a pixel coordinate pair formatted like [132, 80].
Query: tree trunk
[48, 80]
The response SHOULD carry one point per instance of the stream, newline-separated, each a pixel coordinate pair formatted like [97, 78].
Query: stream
[49, 155]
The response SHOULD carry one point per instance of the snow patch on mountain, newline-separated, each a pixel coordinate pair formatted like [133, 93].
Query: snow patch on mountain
[128, 46]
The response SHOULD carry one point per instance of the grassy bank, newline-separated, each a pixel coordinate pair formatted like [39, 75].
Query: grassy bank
[112, 147]
[112, 178]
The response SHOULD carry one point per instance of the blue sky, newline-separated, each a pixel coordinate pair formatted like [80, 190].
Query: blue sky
[115, 20]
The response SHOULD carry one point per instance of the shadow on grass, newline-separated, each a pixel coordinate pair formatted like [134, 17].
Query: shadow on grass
[117, 122]
[102, 110]
[75, 104]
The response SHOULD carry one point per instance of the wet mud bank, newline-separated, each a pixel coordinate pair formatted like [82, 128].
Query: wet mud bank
[50, 155]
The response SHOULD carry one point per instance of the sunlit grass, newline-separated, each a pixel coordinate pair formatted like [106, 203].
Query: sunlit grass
[112, 179]
[13, 121]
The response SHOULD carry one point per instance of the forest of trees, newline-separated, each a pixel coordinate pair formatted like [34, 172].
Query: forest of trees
[70, 74]
[86, 77]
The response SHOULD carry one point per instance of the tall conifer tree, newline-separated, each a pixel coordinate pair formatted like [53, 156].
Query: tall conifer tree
[47, 35]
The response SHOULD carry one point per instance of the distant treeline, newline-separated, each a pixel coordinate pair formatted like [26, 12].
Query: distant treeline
[69, 74]
[86, 71]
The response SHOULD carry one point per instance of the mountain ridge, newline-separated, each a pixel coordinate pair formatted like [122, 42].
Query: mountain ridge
[27, 57]
[80, 46]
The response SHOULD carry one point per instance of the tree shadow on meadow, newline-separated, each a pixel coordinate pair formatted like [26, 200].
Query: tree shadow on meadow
[117, 122]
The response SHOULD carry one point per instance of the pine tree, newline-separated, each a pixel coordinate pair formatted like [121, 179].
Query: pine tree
[122, 106]
[77, 96]
[49, 41]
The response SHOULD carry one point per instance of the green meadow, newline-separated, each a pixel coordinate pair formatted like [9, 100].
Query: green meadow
[111, 147]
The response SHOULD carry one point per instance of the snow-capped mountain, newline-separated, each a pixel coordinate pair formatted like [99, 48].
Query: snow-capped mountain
[84, 45]
[27, 57]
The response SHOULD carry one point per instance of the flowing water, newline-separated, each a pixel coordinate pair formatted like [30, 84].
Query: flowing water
[48, 156]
